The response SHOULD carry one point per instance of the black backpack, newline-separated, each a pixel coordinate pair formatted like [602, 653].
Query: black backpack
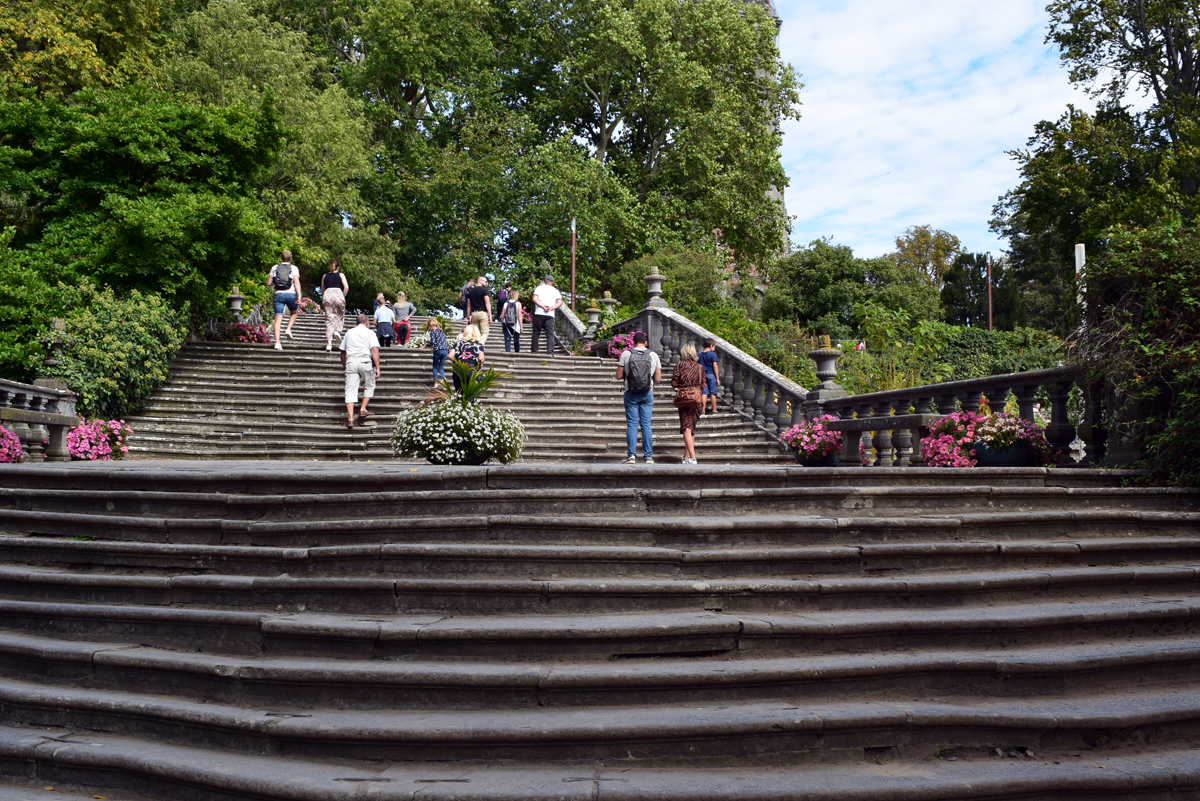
[462, 298]
[638, 372]
[512, 313]
[282, 280]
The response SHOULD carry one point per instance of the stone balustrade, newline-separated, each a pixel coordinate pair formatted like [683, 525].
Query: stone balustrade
[40, 417]
[568, 328]
[752, 389]
[895, 422]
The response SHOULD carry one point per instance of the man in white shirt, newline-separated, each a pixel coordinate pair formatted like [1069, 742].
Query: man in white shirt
[360, 357]
[545, 300]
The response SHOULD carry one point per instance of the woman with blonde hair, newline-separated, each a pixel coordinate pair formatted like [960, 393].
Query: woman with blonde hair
[333, 301]
[441, 348]
[468, 349]
[688, 380]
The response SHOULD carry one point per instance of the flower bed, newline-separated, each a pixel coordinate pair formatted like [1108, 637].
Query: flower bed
[620, 343]
[812, 439]
[98, 440]
[10, 447]
[245, 332]
[951, 441]
[419, 341]
[308, 306]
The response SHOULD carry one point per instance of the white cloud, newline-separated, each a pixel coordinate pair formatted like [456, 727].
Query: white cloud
[908, 109]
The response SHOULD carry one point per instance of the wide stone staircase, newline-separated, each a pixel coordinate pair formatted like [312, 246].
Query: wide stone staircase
[233, 400]
[300, 630]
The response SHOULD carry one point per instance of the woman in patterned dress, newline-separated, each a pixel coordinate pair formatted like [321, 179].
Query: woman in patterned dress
[688, 373]
[333, 299]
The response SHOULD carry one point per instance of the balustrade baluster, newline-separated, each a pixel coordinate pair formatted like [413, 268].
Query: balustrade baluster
[770, 408]
[1060, 433]
[747, 393]
[923, 405]
[902, 439]
[664, 342]
[797, 411]
[758, 401]
[1026, 398]
[970, 400]
[868, 437]
[883, 438]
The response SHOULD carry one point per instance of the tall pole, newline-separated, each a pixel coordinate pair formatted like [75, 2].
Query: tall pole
[989, 291]
[572, 264]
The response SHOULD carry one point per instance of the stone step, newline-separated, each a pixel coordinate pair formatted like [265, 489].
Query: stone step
[775, 729]
[308, 477]
[165, 770]
[451, 559]
[417, 503]
[545, 636]
[543, 595]
[425, 683]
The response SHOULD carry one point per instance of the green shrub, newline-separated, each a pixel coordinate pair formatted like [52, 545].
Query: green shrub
[1142, 338]
[119, 349]
[977, 352]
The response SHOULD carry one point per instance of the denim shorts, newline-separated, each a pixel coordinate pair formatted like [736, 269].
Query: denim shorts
[283, 299]
[710, 384]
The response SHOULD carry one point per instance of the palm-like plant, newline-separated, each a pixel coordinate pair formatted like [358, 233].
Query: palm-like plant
[474, 383]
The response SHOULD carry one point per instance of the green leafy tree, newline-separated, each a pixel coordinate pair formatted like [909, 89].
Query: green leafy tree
[964, 293]
[134, 190]
[820, 285]
[1085, 173]
[226, 56]
[694, 280]
[927, 252]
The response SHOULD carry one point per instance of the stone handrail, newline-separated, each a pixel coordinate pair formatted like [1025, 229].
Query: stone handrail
[771, 400]
[568, 328]
[895, 422]
[36, 414]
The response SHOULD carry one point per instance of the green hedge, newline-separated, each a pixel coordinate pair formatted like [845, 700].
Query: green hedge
[119, 349]
[977, 352]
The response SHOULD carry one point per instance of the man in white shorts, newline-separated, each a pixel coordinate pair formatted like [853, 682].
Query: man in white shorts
[360, 357]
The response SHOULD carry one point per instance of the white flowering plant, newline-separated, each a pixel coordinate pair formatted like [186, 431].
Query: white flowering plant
[451, 427]
[418, 341]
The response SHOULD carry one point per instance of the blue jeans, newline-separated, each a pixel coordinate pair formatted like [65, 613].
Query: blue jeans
[439, 364]
[512, 339]
[638, 408]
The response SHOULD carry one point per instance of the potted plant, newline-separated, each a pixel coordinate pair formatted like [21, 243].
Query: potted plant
[452, 427]
[813, 442]
[1000, 439]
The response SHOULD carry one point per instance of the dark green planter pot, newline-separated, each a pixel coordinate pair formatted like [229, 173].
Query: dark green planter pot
[987, 456]
[830, 460]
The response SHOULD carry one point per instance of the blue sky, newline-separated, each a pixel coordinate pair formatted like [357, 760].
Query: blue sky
[908, 109]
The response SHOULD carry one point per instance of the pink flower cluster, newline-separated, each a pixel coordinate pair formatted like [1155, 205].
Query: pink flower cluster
[951, 439]
[813, 438]
[244, 332]
[10, 447]
[620, 343]
[308, 306]
[99, 440]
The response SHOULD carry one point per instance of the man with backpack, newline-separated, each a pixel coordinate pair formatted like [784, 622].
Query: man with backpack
[641, 369]
[285, 279]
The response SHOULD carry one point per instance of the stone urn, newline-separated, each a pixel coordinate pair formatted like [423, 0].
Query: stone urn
[235, 299]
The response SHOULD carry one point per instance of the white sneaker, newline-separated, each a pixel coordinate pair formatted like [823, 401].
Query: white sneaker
[328, 348]
[278, 346]
[338, 334]
[288, 334]
[692, 461]
[630, 460]
[649, 460]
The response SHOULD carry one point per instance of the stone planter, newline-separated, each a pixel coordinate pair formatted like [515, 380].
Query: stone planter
[829, 460]
[987, 456]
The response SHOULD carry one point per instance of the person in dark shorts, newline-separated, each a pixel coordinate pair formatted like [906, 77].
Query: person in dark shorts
[712, 374]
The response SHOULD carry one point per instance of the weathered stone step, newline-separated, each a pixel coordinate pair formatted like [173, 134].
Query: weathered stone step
[166, 770]
[833, 502]
[532, 637]
[777, 729]
[308, 477]
[440, 559]
[454, 595]
[416, 683]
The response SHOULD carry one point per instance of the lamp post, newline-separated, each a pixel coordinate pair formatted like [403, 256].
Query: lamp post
[989, 266]
[572, 264]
